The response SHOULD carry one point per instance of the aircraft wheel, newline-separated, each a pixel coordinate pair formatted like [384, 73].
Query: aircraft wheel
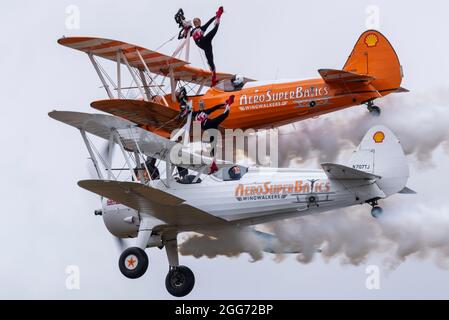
[374, 110]
[133, 263]
[376, 212]
[179, 281]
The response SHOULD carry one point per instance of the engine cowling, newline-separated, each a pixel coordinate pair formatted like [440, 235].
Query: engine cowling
[121, 221]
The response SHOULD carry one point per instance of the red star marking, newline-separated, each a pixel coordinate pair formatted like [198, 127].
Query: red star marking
[131, 261]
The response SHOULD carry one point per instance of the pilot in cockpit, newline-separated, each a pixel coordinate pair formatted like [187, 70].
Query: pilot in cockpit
[237, 82]
[235, 173]
[233, 84]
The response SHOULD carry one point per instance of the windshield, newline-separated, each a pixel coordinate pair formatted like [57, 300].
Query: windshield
[227, 86]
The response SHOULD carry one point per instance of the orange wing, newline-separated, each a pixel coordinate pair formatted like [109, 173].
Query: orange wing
[157, 63]
[149, 115]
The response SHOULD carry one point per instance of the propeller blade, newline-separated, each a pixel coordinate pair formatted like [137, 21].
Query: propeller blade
[106, 153]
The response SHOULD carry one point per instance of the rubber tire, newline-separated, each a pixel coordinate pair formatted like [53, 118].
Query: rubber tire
[375, 111]
[188, 281]
[142, 263]
[376, 212]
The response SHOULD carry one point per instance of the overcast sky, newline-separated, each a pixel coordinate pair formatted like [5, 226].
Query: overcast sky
[47, 220]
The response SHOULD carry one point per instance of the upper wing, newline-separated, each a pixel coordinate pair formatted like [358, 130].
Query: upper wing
[149, 200]
[157, 63]
[332, 76]
[137, 139]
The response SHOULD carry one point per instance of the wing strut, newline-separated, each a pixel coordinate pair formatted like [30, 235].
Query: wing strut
[173, 84]
[125, 155]
[185, 44]
[133, 76]
[100, 75]
[91, 153]
[119, 74]
[158, 89]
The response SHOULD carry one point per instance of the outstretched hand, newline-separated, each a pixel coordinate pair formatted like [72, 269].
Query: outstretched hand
[219, 12]
[230, 100]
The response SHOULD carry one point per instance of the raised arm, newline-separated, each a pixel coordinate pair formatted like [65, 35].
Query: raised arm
[210, 110]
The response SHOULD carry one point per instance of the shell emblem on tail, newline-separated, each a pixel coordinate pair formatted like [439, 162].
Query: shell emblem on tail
[379, 137]
[371, 40]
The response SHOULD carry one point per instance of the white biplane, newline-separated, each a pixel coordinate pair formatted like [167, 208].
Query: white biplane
[155, 211]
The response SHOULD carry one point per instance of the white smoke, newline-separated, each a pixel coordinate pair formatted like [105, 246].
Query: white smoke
[420, 121]
[352, 235]
[230, 243]
[405, 230]
[408, 228]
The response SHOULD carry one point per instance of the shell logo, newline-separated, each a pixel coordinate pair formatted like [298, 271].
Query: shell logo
[379, 137]
[371, 40]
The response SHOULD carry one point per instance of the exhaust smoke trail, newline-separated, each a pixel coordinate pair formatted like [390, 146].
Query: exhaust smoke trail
[351, 234]
[420, 121]
[409, 226]
[230, 243]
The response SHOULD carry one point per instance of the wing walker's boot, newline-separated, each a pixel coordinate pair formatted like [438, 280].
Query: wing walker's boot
[214, 79]
[218, 15]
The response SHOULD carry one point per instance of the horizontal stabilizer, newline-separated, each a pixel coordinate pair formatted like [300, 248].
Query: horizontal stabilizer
[332, 76]
[401, 90]
[340, 172]
[407, 191]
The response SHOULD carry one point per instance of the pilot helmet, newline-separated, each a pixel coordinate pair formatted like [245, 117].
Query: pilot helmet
[181, 94]
[237, 81]
[235, 173]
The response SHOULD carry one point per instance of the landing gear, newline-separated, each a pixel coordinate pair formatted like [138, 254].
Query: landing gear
[374, 110]
[179, 281]
[133, 262]
[376, 212]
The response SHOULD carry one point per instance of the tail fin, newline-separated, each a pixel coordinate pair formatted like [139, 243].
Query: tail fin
[374, 56]
[380, 153]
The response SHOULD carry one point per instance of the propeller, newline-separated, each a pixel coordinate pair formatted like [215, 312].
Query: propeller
[106, 152]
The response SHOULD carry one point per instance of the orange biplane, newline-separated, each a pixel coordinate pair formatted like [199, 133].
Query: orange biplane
[371, 72]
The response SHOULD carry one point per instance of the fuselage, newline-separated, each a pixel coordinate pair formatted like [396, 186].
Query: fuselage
[263, 195]
[274, 104]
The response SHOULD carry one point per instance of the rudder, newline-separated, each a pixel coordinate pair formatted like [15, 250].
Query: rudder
[374, 56]
[380, 153]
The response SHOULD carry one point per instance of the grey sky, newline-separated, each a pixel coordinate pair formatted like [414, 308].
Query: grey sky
[47, 220]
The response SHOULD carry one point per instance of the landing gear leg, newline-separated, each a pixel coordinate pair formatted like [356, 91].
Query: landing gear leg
[180, 279]
[374, 110]
[133, 262]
